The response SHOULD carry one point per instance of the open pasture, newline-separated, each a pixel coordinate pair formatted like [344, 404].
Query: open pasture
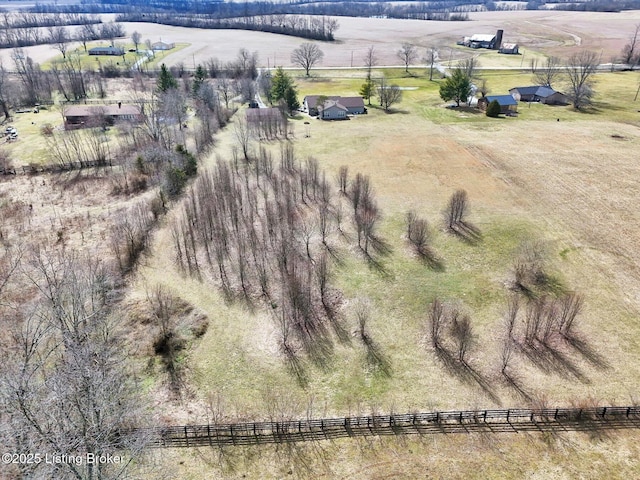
[567, 183]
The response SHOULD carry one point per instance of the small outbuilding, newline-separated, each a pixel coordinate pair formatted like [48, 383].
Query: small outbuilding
[509, 49]
[109, 50]
[537, 93]
[163, 45]
[508, 104]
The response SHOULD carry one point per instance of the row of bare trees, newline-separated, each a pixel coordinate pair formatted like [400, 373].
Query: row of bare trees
[315, 28]
[58, 35]
[268, 232]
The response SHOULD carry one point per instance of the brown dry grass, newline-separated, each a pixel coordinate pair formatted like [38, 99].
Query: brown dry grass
[568, 182]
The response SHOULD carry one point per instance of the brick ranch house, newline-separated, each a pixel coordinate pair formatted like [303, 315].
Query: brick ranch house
[333, 106]
[81, 116]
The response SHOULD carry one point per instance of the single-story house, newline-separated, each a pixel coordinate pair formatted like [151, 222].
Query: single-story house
[162, 45]
[509, 48]
[79, 116]
[332, 110]
[110, 50]
[508, 104]
[540, 94]
[354, 105]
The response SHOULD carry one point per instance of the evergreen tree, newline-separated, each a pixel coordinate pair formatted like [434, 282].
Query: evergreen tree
[198, 78]
[166, 80]
[493, 109]
[283, 88]
[456, 87]
[368, 89]
[291, 97]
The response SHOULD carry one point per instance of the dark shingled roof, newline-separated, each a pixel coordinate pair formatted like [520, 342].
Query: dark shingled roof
[502, 99]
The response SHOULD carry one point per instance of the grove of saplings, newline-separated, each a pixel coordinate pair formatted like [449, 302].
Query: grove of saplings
[269, 232]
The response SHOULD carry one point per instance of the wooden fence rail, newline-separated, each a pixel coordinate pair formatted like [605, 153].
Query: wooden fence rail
[511, 420]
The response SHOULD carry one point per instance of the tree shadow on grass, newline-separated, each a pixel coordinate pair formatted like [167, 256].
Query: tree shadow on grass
[587, 351]
[429, 258]
[294, 364]
[465, 372]
[375, 357]
[513, 381]
[551, 360]
[467, 232]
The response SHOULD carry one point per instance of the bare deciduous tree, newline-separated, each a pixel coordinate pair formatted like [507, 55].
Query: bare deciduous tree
[436, 323]
[630, 54]
[407, 54]
[306, 56]
[580, 69]
[462, 332]
[548, 73]
[456, 209]
[388, 95]
[59, 38]
[370, 60]
[65, 384]
[136, 38]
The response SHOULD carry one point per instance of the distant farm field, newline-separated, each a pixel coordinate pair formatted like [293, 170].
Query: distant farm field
[537, 33]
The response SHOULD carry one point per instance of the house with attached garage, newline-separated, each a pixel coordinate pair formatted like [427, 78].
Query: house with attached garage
[332, 110]
[537, 93]
[508, 104]
[353, 105]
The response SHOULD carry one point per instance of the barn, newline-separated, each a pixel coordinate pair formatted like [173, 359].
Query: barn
[509, 48]
[508, 104]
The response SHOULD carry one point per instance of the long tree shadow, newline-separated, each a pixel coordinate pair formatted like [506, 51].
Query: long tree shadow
[551, 360]
[587, 351]
[429, 258]
[375, 357]
[467, 232]
[294, 364]
[466, 373]
[512, 381]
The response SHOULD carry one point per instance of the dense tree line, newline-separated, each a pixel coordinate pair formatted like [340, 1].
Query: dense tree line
[315, 28]
[58, 34]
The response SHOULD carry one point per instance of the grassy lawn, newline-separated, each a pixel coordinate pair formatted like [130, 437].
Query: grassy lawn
[94, 62]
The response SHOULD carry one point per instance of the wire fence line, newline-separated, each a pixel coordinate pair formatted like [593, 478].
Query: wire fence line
[488, 421]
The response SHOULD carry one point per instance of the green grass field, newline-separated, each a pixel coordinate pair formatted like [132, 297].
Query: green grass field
[95, 62]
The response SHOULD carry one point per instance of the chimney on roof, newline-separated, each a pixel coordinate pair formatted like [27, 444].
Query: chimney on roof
[498, 43]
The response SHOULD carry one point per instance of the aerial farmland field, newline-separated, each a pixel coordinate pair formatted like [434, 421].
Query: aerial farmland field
[551, 186]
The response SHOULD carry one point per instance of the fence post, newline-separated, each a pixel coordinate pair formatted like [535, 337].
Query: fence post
[555, 415]
[186, 437]
[604, 412]
[209, 434]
